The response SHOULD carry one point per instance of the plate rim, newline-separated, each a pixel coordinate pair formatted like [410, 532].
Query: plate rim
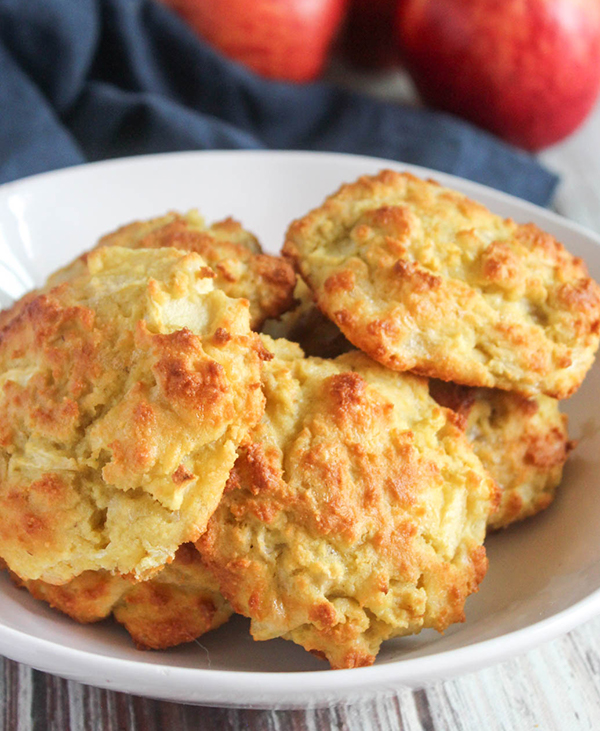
[412, 672]
[182, 684]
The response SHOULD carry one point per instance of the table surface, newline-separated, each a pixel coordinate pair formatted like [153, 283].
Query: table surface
[556, 686]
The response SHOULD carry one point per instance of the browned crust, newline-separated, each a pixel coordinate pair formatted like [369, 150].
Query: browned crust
[306, 325]
[241, 268]
[178, 605]
[423, 279]
[116, 412]
[522, 442]
[344, 507]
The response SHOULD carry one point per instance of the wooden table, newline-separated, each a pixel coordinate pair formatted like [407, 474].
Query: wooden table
[556, 686]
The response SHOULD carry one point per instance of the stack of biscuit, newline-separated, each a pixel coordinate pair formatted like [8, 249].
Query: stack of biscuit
[188, 430]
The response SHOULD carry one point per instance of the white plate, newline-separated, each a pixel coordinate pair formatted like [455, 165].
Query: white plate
[544, 575]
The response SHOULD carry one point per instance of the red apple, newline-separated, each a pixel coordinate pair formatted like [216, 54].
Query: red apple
[279, 39]
[368, 39]
[527, 70]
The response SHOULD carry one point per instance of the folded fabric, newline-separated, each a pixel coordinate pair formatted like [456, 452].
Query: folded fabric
[97, 79]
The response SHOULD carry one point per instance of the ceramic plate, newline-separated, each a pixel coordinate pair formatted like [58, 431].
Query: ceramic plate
[544, 575]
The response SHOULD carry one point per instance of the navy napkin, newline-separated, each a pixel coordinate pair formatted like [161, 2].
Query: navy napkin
[85, 80]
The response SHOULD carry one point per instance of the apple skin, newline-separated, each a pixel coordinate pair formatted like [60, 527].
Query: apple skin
[280, 39]
[368, 39]
[527, 70]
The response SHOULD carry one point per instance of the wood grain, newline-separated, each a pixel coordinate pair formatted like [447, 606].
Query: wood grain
[556, 686]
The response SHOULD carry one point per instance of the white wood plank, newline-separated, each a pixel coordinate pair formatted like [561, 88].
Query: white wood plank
[577, 160]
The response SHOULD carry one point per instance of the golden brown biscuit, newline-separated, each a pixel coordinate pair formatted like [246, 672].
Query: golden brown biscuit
[178, 605]
[306, 325]
[356, 513]
[124, 394]
[9, 314]
[523, 443]
[422, 278]
[241, 269]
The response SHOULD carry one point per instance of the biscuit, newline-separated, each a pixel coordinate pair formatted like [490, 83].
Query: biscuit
[421, 278]
[9, 314]
[234, 254]
[124, 394]
[356, 512]
[523, 443]
[241, 268]
[178, 605]
[306, 325]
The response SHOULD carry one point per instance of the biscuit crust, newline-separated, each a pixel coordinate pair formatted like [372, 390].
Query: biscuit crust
[241, 268]
[355, 513]
[421, 278]
[306, 325]
[179, 604]
[523, 443]
[124, 394]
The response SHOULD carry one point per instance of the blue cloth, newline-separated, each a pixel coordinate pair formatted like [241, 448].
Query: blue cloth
[94, 79]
